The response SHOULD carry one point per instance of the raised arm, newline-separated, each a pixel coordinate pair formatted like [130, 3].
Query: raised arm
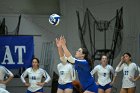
[59, 47]
[120, 65]
[60, 50]
[66, 51]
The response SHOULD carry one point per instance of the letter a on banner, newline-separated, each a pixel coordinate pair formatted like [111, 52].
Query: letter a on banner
[16, 51]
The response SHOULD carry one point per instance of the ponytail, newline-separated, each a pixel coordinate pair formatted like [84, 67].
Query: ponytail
[88, 58]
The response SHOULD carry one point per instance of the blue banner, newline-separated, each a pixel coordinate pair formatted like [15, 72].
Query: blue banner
[16, 51]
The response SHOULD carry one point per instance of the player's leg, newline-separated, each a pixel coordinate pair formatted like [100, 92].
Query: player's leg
[124, 90]
[68, 88]
[100, 91]
[108, 88]
[60, 90]
[132, 90]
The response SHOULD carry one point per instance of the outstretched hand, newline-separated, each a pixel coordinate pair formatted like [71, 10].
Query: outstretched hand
[58, 43]
[62, 40]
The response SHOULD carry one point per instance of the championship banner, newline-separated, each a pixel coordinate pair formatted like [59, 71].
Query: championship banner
[16, 51]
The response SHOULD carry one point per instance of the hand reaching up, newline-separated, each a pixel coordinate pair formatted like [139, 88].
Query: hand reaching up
[62, 40]
[122, 59]
[58, 43]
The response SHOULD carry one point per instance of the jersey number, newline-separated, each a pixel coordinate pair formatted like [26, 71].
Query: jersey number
[61, 72]
[126, 72]
[33, 78]
[104, 74]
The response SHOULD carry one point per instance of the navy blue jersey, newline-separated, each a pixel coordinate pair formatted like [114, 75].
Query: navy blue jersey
[83, 69]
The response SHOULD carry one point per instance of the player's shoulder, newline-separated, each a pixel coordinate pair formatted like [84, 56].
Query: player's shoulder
[60, 64]
[134, 64]
[98, 66]
[29, 69]
[2, 67]
[109, 66]
[41, 69]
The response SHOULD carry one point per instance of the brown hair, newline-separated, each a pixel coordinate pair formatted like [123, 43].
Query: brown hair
[77, 87]
[87, 57]
[36, 59]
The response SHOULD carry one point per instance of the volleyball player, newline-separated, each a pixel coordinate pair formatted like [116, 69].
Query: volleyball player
[66, 72]
[103, 70]
[35, 75]
[129, 69]
[5, 76]
[82, 65]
